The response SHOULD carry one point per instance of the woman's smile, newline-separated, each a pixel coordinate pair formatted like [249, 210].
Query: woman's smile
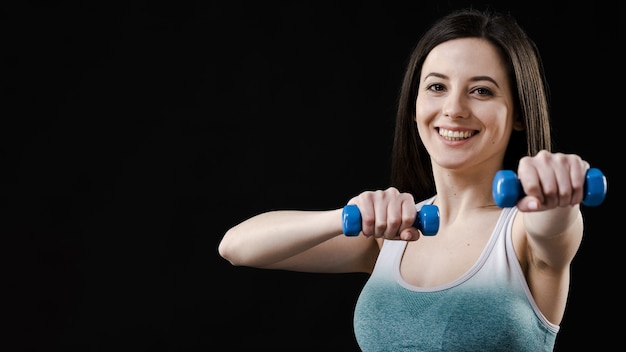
[456, 135]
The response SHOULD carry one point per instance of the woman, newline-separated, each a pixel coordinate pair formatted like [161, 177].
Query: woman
[473, 101]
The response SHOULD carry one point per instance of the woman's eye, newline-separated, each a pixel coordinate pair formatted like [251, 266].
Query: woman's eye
[436, 87]
[482, 91]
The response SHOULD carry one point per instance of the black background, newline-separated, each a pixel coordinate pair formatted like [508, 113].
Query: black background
[134, 135]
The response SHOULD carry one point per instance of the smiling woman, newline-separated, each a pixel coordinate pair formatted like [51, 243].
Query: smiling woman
[473, 101]
[460, 78]
[135, 135]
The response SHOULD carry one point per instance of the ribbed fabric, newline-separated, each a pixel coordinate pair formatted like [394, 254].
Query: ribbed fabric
[487, 309]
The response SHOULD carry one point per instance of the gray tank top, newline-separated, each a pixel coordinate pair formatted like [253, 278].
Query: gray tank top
[489, 308]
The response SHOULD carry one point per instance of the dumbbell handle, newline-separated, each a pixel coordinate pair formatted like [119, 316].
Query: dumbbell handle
[507, 189]
[426, 220]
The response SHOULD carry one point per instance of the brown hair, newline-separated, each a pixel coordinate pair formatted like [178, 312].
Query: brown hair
[411, 169]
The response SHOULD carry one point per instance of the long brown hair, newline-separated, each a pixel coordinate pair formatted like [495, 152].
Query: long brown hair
[411, 169]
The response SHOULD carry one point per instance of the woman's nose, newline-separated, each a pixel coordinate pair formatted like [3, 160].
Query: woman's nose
[455, 106]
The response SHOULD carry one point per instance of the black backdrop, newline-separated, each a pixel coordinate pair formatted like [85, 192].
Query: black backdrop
[134, 135]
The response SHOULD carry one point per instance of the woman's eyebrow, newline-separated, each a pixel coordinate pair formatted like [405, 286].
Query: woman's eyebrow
[473, 79]
[485, 78]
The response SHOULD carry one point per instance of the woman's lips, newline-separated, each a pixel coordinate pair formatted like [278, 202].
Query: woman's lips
[456, 135]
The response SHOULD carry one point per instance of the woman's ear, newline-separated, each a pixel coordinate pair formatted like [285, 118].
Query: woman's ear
[518, 124]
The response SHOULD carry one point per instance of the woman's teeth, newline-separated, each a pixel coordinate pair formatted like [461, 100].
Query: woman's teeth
[455, 135]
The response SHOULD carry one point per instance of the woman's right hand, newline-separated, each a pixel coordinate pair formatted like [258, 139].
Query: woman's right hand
[387, 214]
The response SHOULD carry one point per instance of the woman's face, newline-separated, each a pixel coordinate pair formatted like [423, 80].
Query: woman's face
[464, 106]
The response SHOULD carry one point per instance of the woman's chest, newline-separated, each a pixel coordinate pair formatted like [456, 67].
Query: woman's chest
[440, 259]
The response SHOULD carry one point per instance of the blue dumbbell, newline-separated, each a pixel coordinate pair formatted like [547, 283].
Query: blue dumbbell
[426, 220]
[507, 189]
